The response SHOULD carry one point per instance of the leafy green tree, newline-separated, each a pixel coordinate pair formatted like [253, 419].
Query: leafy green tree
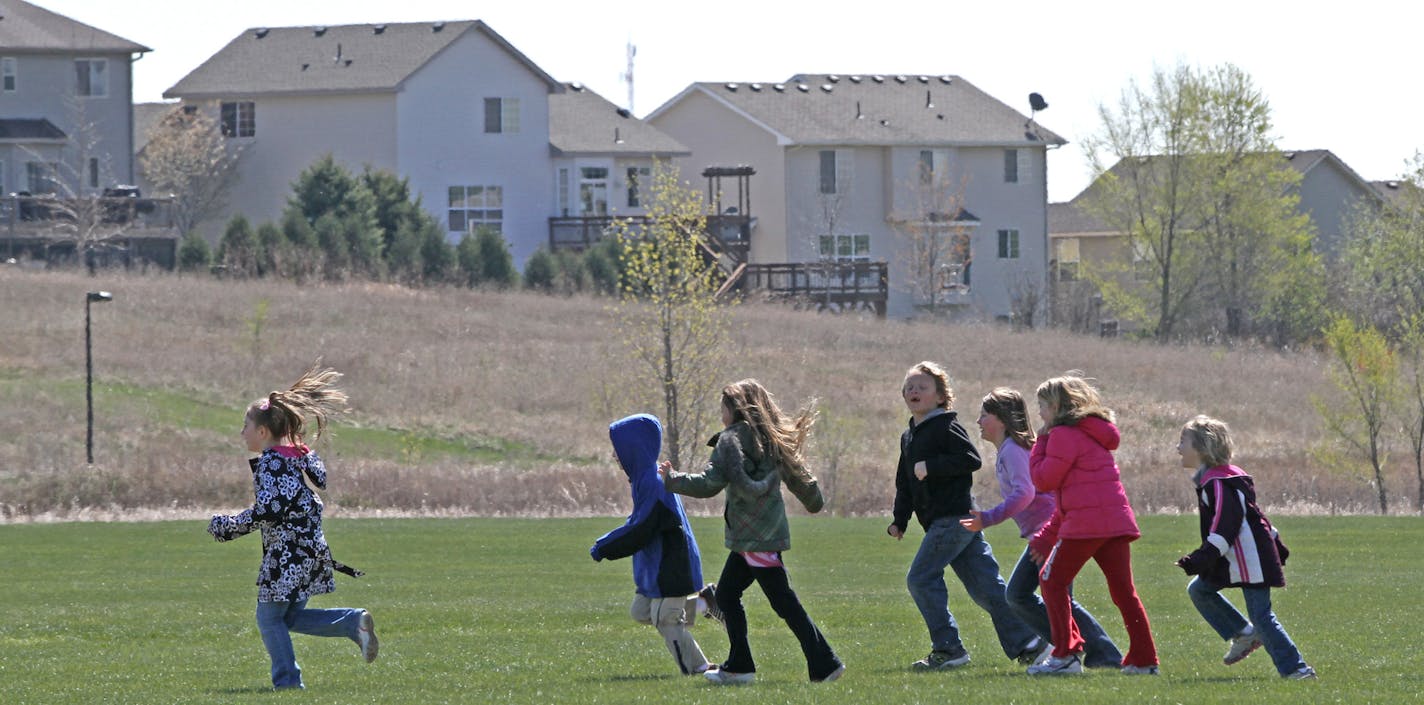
[602, 261]
[272, 250]
[437, 257]
[1381, 268]
[237, 251]
[193, 253]
[1365, 369]
[1208, 205]
[187, 156]
[541, 271]
[484, 260]
[327, 190]
[675, 332]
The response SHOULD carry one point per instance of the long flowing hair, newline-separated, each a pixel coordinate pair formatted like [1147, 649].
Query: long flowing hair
[776, 435]
[1008, 406]
[284, 413]
[1074, 398]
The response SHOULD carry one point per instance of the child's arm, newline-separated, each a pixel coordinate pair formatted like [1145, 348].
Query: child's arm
[1048, 463]
[904, 501]
[712, 479]
[631, 537]
[1228, 513]
[1016, 486]
[227, 528]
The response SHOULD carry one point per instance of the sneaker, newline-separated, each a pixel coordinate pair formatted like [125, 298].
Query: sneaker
[366, 637]
[1241, 646]
[941, 660]
[721, 677]
[840, 670]
[1306, 673]
[1055, 666]
[1036, 652]
[708, 595]
[1139, 670]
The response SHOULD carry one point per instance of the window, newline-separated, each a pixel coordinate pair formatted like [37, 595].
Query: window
[637, 175]
[593, 191]
[2, 178]
[1011, 166]
[239, 119]
[8, 71]
[828, 171]
[846, 248]
[1066, 269]
[501, 115]
[563, 188]
[1008, 244]
[93, 75]
[472, 207]
[40, 177]
[93, 172]
[1143, 267]
[926, 167]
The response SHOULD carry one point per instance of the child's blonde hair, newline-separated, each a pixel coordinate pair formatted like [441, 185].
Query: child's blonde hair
[1211, 438]
[774, 434]
[1073, 398]
[283, 413]
[941, 381]
[1008, 406]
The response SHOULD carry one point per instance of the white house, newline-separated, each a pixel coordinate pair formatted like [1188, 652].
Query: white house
[452, 106]
[845, 162]
[66, 92]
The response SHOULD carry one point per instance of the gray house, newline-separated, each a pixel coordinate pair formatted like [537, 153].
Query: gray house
[66, 96]
[870, 168]
[485, 136]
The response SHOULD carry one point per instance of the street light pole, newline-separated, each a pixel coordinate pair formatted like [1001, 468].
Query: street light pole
[89, 369]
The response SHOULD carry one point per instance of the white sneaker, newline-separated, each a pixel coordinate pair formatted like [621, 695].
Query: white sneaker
[721, 677]
[1139, 670]
[1305, 673]
[366, 637]
[1036, 652]
[1241, 646]
[1055, 666]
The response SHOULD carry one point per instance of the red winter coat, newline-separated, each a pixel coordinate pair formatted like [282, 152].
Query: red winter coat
[1076, 464]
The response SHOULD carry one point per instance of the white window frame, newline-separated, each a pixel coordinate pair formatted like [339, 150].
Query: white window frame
[638, 178]
[852, 247]
[561, 187]
[9, 74]
[1142, 264]
[1068, 254]
[1013, 166]
[97, 89]
[1009, 243]
[244, 119]
[41, 177]
[475, 206]
[591, 185]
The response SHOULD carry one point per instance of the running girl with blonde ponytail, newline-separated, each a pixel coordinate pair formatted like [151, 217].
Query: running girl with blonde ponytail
[296, 562]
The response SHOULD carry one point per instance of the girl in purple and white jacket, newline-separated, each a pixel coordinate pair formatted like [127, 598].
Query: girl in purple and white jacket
[1239, 548]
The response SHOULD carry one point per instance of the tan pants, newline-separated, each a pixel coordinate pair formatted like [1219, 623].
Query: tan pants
[673, 616]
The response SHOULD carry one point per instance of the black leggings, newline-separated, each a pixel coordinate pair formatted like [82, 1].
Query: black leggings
[737, 576]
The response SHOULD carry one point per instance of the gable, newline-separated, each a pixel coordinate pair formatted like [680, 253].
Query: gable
[29, 28]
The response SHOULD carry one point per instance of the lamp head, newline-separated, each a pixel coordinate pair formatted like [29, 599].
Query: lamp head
[100, 296]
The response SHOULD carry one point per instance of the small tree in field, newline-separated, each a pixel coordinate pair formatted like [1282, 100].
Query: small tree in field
[675, 332]
[934, 240]
[1412, 356]
[1365, 370]
[187, 156]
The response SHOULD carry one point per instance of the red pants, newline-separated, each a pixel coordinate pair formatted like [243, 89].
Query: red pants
[1114, 557]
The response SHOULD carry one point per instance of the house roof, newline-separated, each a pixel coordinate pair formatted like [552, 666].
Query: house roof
[582, 122]
[29, 129]
[146, 116]
[875, 110]
[360, 58]
[30, 28]
[1394, 191]
[1069, 218]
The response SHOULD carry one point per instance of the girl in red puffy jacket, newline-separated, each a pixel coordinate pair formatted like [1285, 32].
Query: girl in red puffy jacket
[1073, 458]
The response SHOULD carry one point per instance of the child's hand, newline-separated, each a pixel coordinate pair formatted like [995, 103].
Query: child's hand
[664, 467]
[974, 523]
[1197, 562]
[1036, 557]
[921, 471]
[895, 532]
[593, 552]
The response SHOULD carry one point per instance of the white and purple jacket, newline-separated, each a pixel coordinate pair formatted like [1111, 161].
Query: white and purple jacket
[1232, 526]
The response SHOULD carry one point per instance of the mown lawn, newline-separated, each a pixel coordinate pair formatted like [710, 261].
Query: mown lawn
[513, 611]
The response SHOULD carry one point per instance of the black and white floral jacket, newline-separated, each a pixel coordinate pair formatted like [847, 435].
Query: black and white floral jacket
[296, 562]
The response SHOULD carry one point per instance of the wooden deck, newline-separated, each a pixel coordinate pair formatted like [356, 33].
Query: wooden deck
[825, 286]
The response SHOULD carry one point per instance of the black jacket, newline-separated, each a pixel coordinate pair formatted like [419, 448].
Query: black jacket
[950, 460]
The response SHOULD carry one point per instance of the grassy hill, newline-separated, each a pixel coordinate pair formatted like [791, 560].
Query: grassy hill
[471, 402]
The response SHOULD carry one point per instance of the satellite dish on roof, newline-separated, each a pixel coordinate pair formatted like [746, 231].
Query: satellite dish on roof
[1036, 102]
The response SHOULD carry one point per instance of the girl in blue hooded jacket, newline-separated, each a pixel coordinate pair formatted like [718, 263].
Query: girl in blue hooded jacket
[667, 567]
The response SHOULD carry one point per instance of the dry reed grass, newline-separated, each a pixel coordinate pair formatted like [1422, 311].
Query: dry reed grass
[531, 370]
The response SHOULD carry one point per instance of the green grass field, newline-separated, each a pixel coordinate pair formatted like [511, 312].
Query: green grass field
[513, 611]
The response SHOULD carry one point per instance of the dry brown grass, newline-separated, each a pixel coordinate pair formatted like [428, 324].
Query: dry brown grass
[531, 370]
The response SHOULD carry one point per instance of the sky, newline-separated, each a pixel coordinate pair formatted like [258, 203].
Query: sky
[1337, 76]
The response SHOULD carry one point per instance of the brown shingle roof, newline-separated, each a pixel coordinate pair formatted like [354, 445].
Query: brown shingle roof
[584, 122]
[879, 110]
[29, 28]
[340, 59]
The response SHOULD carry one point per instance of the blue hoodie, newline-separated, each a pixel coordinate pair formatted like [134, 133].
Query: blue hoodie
[666, 562]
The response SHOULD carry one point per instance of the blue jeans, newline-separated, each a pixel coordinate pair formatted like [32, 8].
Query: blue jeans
[1228, 622]
[276, 619]
[946, 543]
[1099, 650]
